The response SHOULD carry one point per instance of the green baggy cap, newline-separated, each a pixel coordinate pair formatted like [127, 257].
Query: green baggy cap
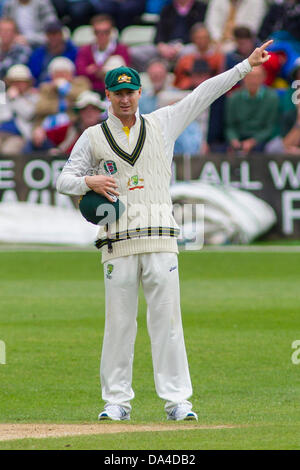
[122, 77]
[99, 210]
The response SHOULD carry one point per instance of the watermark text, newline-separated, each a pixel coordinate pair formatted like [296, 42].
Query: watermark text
[296, 354]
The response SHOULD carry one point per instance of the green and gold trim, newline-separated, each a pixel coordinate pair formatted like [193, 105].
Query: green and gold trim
[129, 158]
[138, 233]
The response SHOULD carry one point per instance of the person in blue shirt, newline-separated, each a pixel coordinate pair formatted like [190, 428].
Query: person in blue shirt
[56, 46]
[2, 2]
[157, 77]
[155, 6]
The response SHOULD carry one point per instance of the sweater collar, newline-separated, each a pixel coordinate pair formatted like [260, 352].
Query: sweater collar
[116, 123]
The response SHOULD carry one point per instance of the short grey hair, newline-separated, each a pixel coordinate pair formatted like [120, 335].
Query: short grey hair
[61, 63]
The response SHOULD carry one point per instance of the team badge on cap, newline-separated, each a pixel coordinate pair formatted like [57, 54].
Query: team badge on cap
[124, 79]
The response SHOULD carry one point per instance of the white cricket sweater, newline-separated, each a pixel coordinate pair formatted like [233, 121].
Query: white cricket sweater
[167, 123]
[143, 181]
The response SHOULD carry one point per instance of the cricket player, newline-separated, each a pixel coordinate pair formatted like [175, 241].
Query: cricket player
[129, 156]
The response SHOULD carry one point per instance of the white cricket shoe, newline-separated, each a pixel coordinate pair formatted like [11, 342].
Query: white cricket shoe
[182, 412]
[113, 413]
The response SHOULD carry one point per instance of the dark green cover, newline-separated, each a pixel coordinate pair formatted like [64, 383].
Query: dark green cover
[108, 212]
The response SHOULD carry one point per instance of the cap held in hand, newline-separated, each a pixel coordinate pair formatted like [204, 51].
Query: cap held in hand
[99, 210]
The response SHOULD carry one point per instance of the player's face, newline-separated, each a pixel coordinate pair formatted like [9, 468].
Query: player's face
[124, 102]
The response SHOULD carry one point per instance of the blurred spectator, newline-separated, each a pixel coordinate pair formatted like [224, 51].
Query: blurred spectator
[11, 53]
[288, 97]
[56, 46]
[156, 6]
[289, 142]
[31, 17]
[2, 2]
[16, 117]
[74, 13]
[203, 59]
[173, 28]
[172, 32]
[54, 109]
[245, 43]
[162, 93]
[89, 112]
[159, 80]
[295, 72]
[282, 23]
[200, 42]
[251, 114]
[282, 16]
[215, 140]
[122, 11]
[289, 139]
[91, 59]
[191, 72]
[224, 15]
[291, 131]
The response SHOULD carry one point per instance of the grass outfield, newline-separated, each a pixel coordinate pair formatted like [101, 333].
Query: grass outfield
[240, 315]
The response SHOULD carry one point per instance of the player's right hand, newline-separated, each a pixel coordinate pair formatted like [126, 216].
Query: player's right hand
[260, 55]
[102, 185]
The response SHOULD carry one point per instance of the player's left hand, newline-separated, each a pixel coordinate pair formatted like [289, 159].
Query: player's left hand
[259, 56]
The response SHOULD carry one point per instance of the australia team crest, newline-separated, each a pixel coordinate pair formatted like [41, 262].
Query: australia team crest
[109, 270]
[135, 183]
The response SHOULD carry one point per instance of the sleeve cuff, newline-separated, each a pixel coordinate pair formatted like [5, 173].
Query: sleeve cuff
[247, 65]
[244, 67]
[85, 188]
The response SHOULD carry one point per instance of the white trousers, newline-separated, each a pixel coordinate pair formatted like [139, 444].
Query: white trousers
[158, 273]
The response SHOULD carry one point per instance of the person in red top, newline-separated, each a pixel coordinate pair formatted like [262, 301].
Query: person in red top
[201, 50]
[91, 59]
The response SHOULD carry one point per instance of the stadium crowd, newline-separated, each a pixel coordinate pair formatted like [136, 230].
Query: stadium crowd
[54, 55]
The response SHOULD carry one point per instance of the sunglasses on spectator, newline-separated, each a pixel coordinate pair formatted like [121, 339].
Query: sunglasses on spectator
[102, 31]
